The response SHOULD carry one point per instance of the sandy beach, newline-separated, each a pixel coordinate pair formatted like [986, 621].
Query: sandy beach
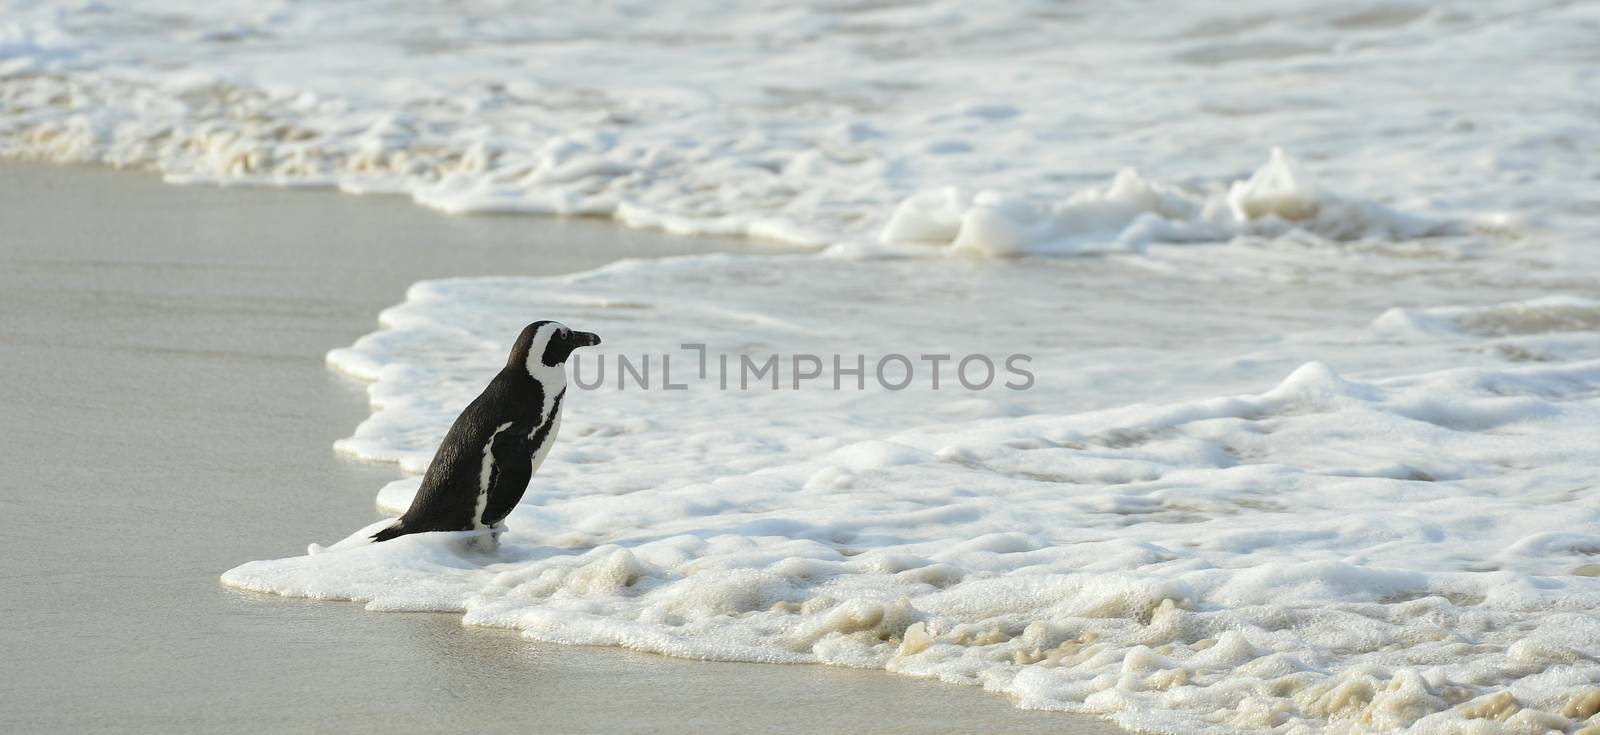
[169, 415]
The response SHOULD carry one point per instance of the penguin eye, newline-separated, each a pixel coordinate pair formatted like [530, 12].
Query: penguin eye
[565, 333]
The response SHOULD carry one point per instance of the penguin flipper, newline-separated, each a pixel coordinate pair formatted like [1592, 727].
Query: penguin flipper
[395, 531]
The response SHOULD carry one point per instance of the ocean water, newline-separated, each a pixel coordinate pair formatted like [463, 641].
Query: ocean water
[1304, 294]
[996, 128]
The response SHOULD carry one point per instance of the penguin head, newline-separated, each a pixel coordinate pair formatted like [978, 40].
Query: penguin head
[545, 344]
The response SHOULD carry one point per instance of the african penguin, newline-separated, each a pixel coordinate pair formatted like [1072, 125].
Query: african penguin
[496, 444]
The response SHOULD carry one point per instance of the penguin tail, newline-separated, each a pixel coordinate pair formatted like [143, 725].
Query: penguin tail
[394, 531]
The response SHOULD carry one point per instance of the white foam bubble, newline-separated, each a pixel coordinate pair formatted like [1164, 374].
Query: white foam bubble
[1411, 551]
[1130, 212]
[903, 127]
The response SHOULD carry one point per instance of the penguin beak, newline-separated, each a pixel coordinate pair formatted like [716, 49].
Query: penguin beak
[584, 339]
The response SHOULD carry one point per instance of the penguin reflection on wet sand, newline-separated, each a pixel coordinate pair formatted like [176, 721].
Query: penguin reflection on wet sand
[496, 444]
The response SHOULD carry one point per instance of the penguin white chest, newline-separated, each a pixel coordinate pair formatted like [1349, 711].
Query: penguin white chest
[543, 448]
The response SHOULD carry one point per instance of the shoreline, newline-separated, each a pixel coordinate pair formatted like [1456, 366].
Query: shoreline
[180, 417]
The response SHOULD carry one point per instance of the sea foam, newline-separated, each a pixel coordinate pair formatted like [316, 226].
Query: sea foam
[1411, 550]
[989, 133]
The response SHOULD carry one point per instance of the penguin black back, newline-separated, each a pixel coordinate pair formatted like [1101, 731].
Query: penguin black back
[490, 453]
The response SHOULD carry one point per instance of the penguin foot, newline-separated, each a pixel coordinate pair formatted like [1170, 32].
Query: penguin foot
[486, 541]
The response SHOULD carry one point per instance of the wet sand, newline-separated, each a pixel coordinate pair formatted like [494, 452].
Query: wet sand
[168, 415]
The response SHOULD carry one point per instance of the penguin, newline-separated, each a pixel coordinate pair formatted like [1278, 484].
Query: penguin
[492, 450]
